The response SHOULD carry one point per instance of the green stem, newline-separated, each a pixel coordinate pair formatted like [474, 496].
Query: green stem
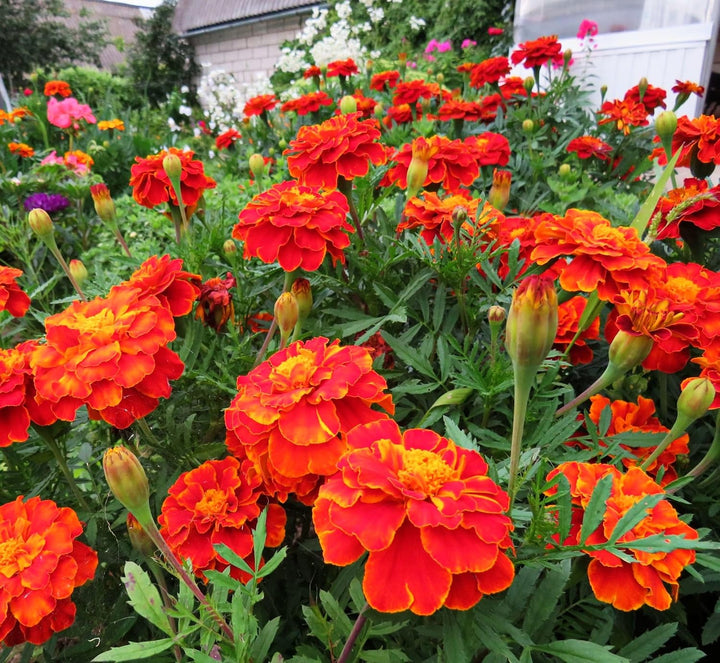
[712, 455]
[679, 427]
[58, 256]
[160, 579]
[350, 642]
[608, 377]
[345, 187]
[523, 385]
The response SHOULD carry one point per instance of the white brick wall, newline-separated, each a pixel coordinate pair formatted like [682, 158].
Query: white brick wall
[247, 50]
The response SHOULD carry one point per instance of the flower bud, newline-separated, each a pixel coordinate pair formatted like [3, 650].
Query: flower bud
[500, 190]
[257, 165]
[418, 168]
[440, 78]
[348, 105]
[528, 126]
[79, 271]
[529, 84]
[41, 223]
[128, 481]
[286, 315]
[696, 397]
[564, 170]
[496, 315]
[172, 166]
[532, 322]
[642, 87]
[627, 351]
[567, 56]
[303, 296]
[229, 247]
[665, 125]
[104, 205]
[379, 110]
[139, 538]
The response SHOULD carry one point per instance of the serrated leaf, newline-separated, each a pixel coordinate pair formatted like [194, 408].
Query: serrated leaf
[711, 630]
[200, 657]
[543, 601]
[687, 655]
[341, 622]
[457, 435]
[231, 557]
[135, 651]
[144, 596]
[356, 594]
[648, 643]
[272, 563]
[596, 508]
[580, 651]
[264, 639]
[383, 656]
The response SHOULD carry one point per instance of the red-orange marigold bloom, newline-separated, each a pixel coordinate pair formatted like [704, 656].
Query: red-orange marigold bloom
[107, 125]
[639, 418]
[410, 92]
[537, 52]
[227, 139]
[260, 104]
[342, 146]
[589, 146]
[384, 80]
[14, 416]
[457, 109]
[652, 97]
[342, 68]
[605, 258]
[688, 88]
[710, 364]
[702, 213]
[12, 299]
[569, 314]
[151, 184]
[401, 114]
[215, 306]
[513, 86]
[432, 520]
[162, 277]
[295, 225]
[218, 502]
[61, 88]
[312, 72]
[489, 71]
[307, 103]
[41, 563]
[451, 163]
[624, 114]
[21, 149]
[292, 413]
[435, 215]
[489, 148]
[699, 137]
[627, 585]
[110, 354]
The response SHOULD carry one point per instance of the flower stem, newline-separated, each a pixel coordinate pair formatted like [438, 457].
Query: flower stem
[712, 455]
[603, 381]
[345, 187]
[679, 427]
[350, 642]
[160, 579]
[522, 395]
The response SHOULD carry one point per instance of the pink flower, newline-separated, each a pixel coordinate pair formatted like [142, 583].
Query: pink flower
[587, 29]
[27, 91]
[432, 45]
[67, 112]
[52, 158]
[495, 31]
[467, 43]
[444, 46]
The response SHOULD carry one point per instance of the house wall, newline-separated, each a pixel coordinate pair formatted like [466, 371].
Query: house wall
[249, 50]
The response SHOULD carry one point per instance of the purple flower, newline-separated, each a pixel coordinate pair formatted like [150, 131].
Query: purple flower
[50, 202]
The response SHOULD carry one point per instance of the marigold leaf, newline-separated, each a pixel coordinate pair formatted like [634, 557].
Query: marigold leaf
[687, 655]
[635, 514]
[135, 651]
[144, 596]
[580, 651]
[595, 510]
[648, 643]
[544, 600]
[263, 640]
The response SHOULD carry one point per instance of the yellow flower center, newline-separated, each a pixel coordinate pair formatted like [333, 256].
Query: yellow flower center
[295, 372]
[425, 471]
[685, 288]
[16, 554]
[213, 502]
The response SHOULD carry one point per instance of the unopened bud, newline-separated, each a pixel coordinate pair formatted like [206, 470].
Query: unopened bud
[532, 322]
[529, 84]
[229, 247]
[41, 223]
[172, 166]
[139, 538]
[379, 110]
[79, 271]
[626, 351]
[567, 56]
[128, 481]
[665, 125]
[564, 170]
[418, 168]
[642, 87]
[303, 295]
[286, 315]
[496, 315]
[695, 399]
[499, 193]
[528, 126]
[440, 78]
[348, 105]
[257, 165]
[104, 205]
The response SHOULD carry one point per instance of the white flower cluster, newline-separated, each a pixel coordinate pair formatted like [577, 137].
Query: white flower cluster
[416, 23]
[338, 45]
[291, 61]
[221, 100]
[313, 26]
[343, 10]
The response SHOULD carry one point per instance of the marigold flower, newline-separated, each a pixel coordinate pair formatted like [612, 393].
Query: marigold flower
[295, 225]
[605, 258]
[569, 314]
[457, 109]
[401, 114]
[260, 104]
[109, 125]
[589, 146]
[163, 278]
[435, 215]
[12, 298]
[513, 86]
[625, 585]
[410, 92]
[218, 502]
[312, 72]
[292, 413]
[13, 115]
[342, 146]
[21, 149]
[652, 97]
[639, 417]
[151, 184]
[110, 354]
[698, 137]
[489, 71]
[227, 138]
[307, 103]
[537, 52]
[432, 520]
[688, 88]
[40, 566]
[384, 80]
[489, 148]
[342, 68]
[624, 114]
[14, 416]
[66, 113]
[215, 306]
[61, 88]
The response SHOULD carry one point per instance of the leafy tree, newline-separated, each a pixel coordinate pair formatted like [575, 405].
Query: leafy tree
[35, 34]
[161, 61]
